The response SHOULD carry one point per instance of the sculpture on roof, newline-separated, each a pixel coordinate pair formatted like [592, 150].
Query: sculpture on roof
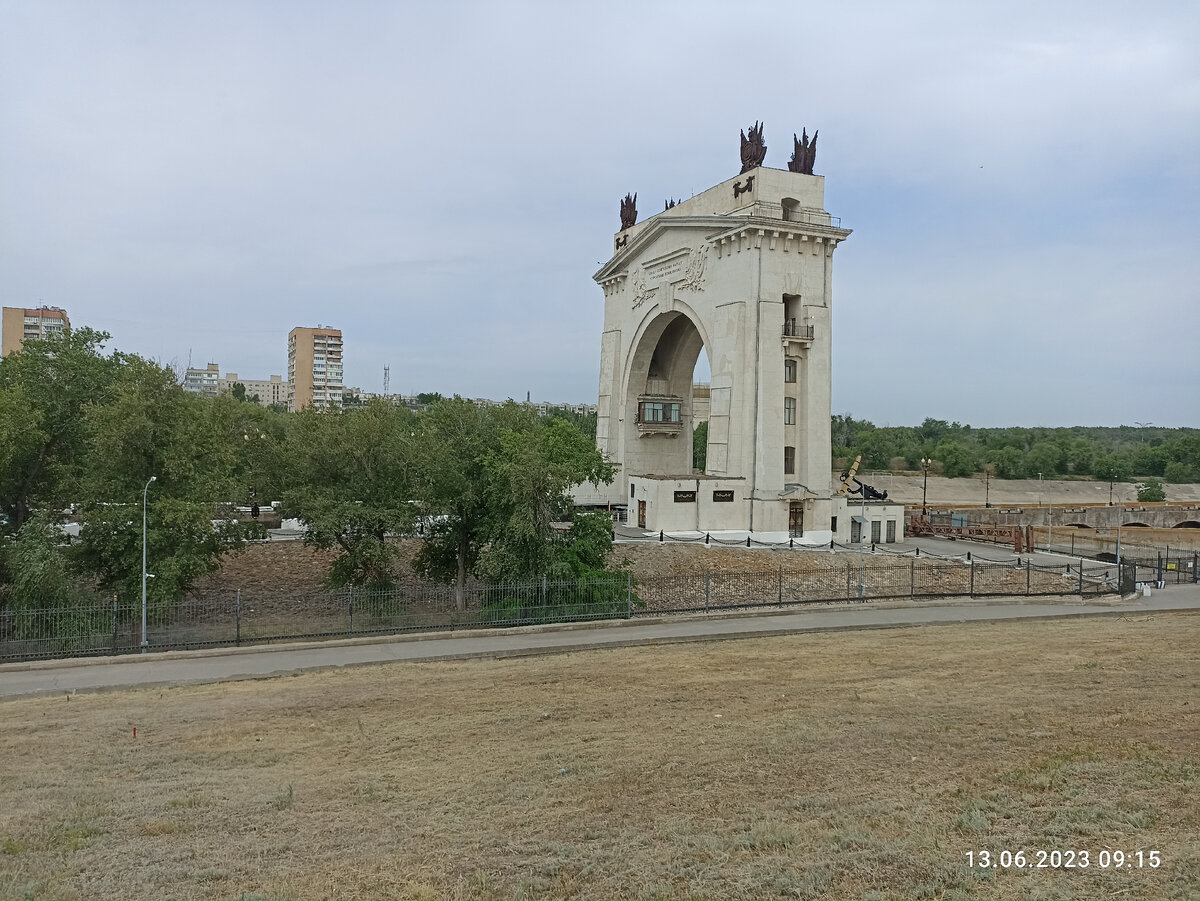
[753, 148]
[804, 154]
[628, 211]
[669, 205]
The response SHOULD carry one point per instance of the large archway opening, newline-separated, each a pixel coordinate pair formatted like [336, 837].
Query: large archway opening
[701, 407]
[661, 398]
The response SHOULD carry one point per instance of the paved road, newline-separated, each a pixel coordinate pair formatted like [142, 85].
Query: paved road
[178, 667]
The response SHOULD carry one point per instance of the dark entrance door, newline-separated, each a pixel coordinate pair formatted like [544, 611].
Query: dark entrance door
[641, 514]
[796, 519]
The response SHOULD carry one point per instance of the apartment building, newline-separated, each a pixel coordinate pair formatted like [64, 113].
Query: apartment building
[314, 368]
[203, 381]
[19, 324]
[209, 382]
[272, 390]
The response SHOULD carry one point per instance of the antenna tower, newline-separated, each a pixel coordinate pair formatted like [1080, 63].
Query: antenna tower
[387, 381]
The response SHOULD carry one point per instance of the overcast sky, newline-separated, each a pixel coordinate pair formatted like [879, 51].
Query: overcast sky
[441, 181]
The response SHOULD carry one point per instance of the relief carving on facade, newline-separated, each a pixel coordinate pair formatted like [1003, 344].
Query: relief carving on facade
[693, 275]
[641, 293]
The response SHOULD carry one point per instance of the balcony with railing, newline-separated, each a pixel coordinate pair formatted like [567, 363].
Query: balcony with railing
[796, 335]
[660, 414]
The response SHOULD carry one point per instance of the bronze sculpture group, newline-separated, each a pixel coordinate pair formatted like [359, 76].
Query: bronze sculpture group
[804, 153]
[753, 152]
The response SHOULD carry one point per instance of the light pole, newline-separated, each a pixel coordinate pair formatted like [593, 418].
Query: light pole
[862, 539]
[987, 474]
[1120, 516]
[925, 488]
[145, 492]
[1040, 496]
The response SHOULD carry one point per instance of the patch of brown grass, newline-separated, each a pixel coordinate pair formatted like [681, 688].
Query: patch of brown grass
[851, 766]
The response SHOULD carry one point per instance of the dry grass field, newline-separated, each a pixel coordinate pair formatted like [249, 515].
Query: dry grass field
[859, 765]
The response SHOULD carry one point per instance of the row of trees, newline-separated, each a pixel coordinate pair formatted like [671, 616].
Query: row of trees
[83, 429]
[1108, 454]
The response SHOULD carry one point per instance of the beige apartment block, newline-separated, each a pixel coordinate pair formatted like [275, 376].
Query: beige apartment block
[745, 271]
[272, 390]
[314, 368]
[21, 324]
[206, 381]
[209, 382]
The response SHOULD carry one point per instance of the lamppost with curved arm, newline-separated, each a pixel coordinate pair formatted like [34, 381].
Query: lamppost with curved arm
[145, 492]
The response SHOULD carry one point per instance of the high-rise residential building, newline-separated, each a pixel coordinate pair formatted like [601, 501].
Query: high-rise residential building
[203, 381]
[18, 325]
[314, 368]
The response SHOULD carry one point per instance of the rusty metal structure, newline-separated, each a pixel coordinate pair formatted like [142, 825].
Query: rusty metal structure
[1020, 537]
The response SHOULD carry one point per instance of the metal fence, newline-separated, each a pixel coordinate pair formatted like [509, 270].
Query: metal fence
[232, 618]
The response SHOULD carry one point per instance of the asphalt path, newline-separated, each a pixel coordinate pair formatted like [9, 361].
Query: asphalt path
[226, 664]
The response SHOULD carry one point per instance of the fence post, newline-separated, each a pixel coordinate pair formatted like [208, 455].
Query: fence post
[628, 595]
[747, 541]
[238, 638]
[707, 583]
[1080, 577]
[1027, 571]
[972, 591]
[350, 595]
[115, 639]
[912, 578]
[847, 581]
[1195, 566]
[543, 591]
[707, 538]
[780, 584]
[660, 536]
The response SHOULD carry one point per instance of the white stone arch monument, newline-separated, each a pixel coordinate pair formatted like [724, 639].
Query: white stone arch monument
[743, 270]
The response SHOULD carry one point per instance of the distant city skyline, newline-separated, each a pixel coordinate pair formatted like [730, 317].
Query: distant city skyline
[441, 183]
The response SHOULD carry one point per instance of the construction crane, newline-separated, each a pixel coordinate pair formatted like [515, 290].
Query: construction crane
[866, 491]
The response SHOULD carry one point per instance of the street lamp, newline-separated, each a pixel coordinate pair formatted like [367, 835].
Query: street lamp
[987, 474]
[145, 491]
[925, 464]
[862, 539]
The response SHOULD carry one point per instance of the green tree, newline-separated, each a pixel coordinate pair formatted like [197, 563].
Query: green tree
[454, 438]
[1151, 490]
[958, 461]
[1150, 461]
[1177, 473]
[238, 391]
[35, 571]
[528, 477]
[1045, 457]
[351, 480]
[1112, 468]
[1009, 462]
[150, 426]
[700, 446]
[44, 390]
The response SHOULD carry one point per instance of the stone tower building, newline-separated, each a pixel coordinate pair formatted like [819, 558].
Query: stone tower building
[744, 270]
